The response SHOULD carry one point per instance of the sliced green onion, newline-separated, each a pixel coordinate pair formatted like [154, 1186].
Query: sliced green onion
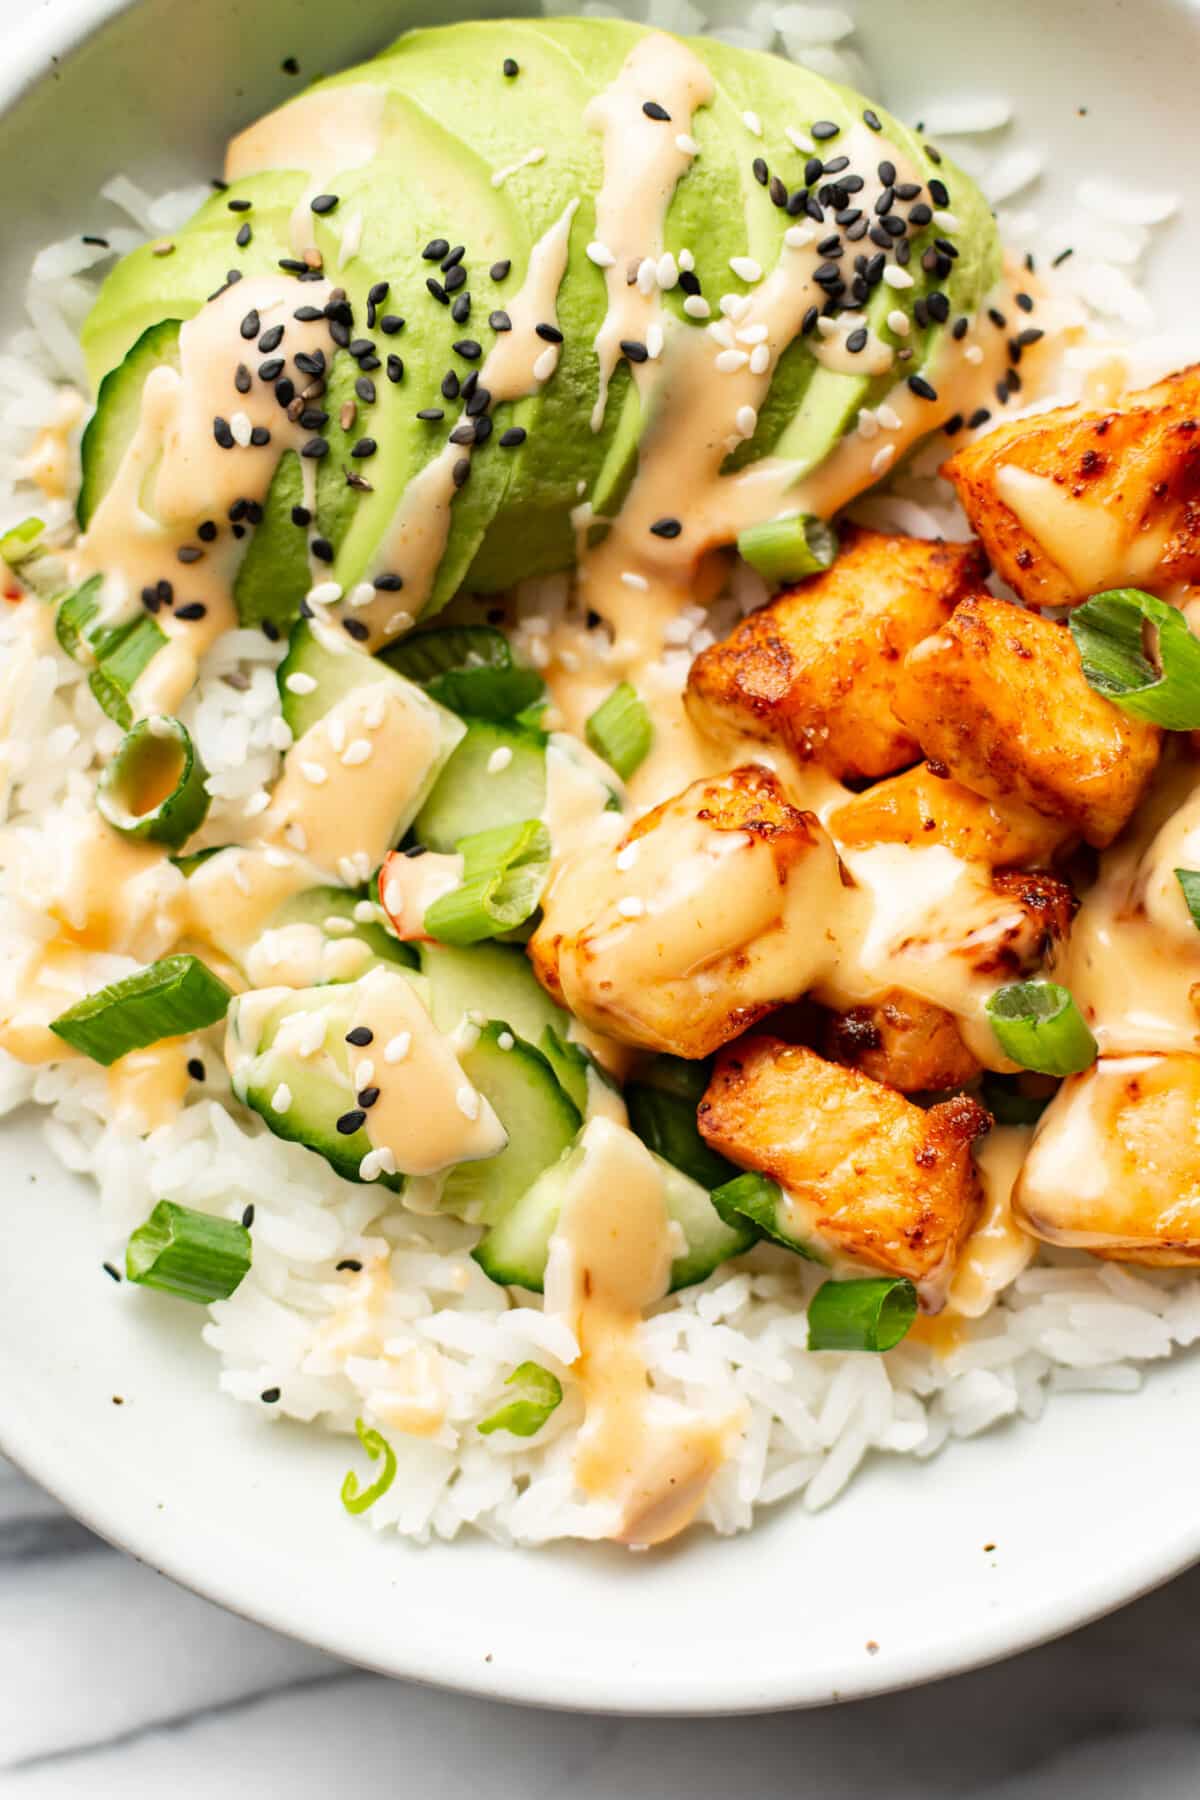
[538, 1393]
[620, 730]
[788, 549]
[1189, 881]
[468, 668]
[188, 1253]
[666, 1124]
[169, 999]
[1008, 1105]
[1139, 653]
[154, 786]
[861, 1315]
[504, 872]
[20, 542]
[1038, 1024]
[75, 614]
[119, 663]
[356, 1500]
[187, 865]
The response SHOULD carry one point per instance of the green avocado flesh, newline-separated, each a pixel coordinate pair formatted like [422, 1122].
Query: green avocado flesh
[452, 160]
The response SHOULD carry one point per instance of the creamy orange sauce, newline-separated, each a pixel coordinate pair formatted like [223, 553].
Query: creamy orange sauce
[51, 462]
[1094, 545]
[325, 133]
[999, 1248]
[610, 1259]
[147, 1087]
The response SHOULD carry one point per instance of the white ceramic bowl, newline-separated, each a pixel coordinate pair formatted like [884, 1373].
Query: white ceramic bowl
[894, 1584]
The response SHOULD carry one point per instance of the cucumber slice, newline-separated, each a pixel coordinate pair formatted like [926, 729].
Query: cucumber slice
[319, 655]
[515, 1250]
[316, 904]
[118, 408]
[538, 1116]
[468, 796]
[491, 979]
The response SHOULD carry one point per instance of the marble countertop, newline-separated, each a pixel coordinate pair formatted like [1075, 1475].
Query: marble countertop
[113, 1681]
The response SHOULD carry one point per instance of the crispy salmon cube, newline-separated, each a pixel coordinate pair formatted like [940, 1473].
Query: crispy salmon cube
[999, 697]
[714, 908]
[1115, 1164]
[925, 806]
[903, 1041]
[865, 1173]
[1068, 503]
[816, 668]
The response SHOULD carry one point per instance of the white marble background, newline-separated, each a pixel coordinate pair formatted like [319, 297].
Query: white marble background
[115, 1682]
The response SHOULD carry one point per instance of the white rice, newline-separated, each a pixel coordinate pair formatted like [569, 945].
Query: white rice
[446, 1338]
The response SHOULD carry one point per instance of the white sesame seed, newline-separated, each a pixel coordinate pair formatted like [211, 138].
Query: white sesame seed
[506, 1040]
[735, 306]
[728, 362]
[896, 277]
[947, 221]
[883, 459]
[364, 912]
[314, 772]
[347, 869]
[326, 593]
[300, 683]
[370, 1166]
[397, 1048]
[686, 144]
[667, 270]
[387, 1159]
[797, 236]
[760, 359]
[241, 880]
[364, 1073]
[687, 260]
[257, 803]
[899, 322]
[973, 354]
[357, 752]
[654, 341]
[647, 275]
[721, 332]
[311, 1035]
[241, 428]
[627, 857]
[467, 1101]
[362, 595]
[600, 254]
[276, 859]
[753, 123]
[868, 424]
[337, 926]
[400, 621]
[631, 907]
[631, 580]
[798, 140]
[281, 1099]
[546, 363]
[888, 417]
[697, 307]
[828, 327]
[745, 268]
[746, 420]
[752, 334]
[280, 734]
[337, 732]
[296, 836]
[499, 759]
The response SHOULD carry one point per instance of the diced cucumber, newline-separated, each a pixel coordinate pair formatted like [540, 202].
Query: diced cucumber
[316, 904]
[318, 654]
[540, 1119]
[318, 1089]
[472, 791]
[118, 407]
[590, 1087]
[514, 1252]
[492, 979]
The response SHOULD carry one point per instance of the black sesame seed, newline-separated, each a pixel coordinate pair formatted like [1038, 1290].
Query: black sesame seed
[360, 1036]
[270, 1395]
[413, 851]
[150, 599]
[511, 67]
[998, 319]
[826, 274]
[689, 281]
[242, 379]
[110, 1272]
[903, 252]
[550, 333]
[653, 110]
[260, 436]
[195, 609]
[305, 314]
[887, 174]
[814, 168]
[830, 246]
[813, 209]
[367, 1096]
[1014, 382]
[243, 237]
[437, 290]
[355, 629]
[361, 347]
[808, 322]
[1057, 261]
[270, 630]
[858, 230]
[666, 527]
[340, 333]
[248, 1216]
[461, 471]
[350, 1262]
[923, 389]
[324, 203]
[364, 387]
[824, 129]
[165, 592]
[388, 584]
[310, 362]
[313, 418]
[849, 215]
[455, 278]
[316, 447]
[1001, 391]
[435, 249]
[478, 401]
[1024, 301]
[1031, 335]
[939, 193]
[453, 257]
[431, 414]
[778, 191]
[893, 226]
[499, 270]
[953, 425]
[920, 214]
[935, 156]
[508, 440]
[463, 433]
[499, 321]
[366, 446]
[872, 120]
[907, 190]
[293, 265]
[301, 516]
[939, 306]
[254, 512]
[378, 293]
[468, 348]
[760, 171]
[960, 328]
[322, 549]
[857, 341]
[207, 531]
[251, 325]
[450, 385]
[189, 553]
[270, 370]
[395, 369]
[635, 351]
[483, 429]
[946, 248]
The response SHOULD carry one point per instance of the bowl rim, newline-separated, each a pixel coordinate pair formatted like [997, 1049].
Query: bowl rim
[54, 34]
